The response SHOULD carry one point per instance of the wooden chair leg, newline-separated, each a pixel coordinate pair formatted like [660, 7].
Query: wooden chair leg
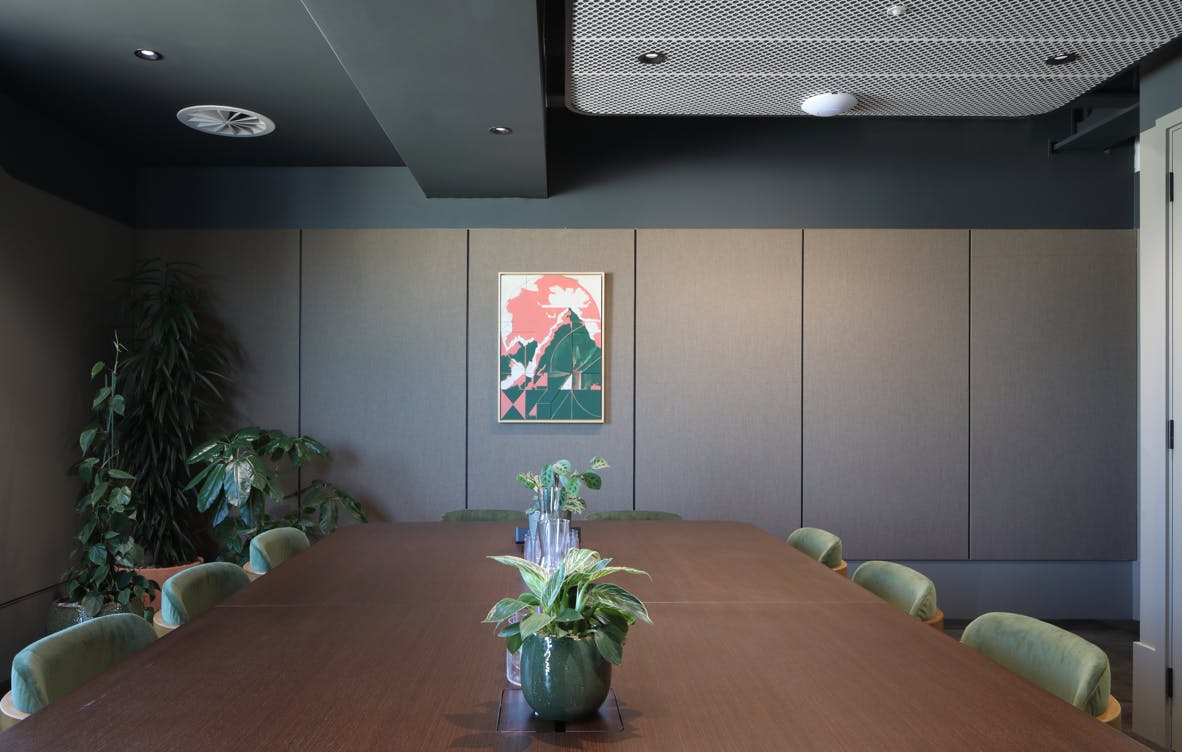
[9, 715]
[842, 568]
[1111, 714]
[936, 622]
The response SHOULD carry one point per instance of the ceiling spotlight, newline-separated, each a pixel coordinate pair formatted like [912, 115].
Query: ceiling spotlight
[144, 53]
[652, 58]
[897, 10]
[829, 104]
[500, 130]
[1063, 58]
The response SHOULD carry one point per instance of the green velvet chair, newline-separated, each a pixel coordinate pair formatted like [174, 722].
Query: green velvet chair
[485, 515]
[820, 544]
[902, 587]
[270, 549]
[60, 663]
[188, 594]
[634, 514]
[1064, 664]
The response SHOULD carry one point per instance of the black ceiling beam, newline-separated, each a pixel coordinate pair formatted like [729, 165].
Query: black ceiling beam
[1102, 132]
[437, 76]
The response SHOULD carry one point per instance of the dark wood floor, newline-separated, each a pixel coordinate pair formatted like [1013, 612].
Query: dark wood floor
[1116, 639]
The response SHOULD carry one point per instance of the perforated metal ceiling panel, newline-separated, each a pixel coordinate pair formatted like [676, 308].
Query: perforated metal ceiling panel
[939, 58]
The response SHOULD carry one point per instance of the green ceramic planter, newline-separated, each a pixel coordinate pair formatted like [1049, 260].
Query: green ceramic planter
[563, 678]
[63, 614]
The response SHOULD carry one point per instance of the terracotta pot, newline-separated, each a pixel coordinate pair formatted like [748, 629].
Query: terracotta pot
[563, 678]
[159, 575]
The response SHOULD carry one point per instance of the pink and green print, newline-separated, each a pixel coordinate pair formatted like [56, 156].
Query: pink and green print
[551, 348]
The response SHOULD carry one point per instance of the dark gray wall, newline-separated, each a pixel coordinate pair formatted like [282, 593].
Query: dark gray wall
[57, 306]
[681, 172]
[41, 152]
[1161, 91]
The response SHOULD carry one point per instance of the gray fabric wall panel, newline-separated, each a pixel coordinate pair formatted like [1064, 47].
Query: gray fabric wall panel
[1054, 397]
[57, 317]
[718, 375]
[253, 279]
[498, 451]
[383, 366]
[886, 390]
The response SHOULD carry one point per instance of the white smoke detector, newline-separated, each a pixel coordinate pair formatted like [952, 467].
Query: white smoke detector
[829, 104]
[223, 120]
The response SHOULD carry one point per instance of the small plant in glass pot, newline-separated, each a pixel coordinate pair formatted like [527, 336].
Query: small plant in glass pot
[568, 482]
[240, 484]
[570, 629]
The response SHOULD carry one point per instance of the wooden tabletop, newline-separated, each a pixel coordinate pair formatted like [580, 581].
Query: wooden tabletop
[371, 640]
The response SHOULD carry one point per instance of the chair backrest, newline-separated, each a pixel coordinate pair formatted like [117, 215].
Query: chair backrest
[1064, 664]
[634, 514]
[900, 586]
[270, 549]
[190, 593]
[60, 663]
[820, 544]
[485, 515]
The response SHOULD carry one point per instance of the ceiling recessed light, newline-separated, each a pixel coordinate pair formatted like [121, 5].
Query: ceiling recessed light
[144, 53]
[897, 10]
[222, 120]
[500, 130]
[1063, 58]
[652, 58]
[829, 104]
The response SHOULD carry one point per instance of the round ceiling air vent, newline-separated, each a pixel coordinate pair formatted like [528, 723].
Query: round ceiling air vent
[829, 104]
[222, 120]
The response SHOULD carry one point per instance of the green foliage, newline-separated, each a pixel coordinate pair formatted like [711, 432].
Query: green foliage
[171, 377]
[570, 602]
[239, 485]
[105, 552]
[561, 474]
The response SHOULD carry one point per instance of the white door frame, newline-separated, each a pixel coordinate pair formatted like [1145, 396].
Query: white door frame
[1158, 480]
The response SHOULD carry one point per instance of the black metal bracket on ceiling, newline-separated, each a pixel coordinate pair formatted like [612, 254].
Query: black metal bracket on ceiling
[1101, 121]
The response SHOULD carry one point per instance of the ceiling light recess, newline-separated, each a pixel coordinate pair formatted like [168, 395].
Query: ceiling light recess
[501, 130]
[144, 53]
[1063, 58]
[829, 104]
[224, 120]
[652, 58]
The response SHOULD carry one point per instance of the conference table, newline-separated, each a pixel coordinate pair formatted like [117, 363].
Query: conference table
[372, 640]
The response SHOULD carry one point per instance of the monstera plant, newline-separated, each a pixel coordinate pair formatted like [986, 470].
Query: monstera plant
[240, 484]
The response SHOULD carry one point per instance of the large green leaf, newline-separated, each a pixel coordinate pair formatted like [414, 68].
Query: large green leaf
[554, 586]
[101, 397]
[505, 608]
[86, 438]
[534, 623]
[609, 647]
[613, 596]
[533, 575]
[593, 481]
[92, 603]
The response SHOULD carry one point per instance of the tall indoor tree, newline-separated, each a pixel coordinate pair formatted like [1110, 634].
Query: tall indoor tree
[172, 378]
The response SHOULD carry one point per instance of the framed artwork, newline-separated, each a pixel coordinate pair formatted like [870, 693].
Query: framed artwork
[551, 348]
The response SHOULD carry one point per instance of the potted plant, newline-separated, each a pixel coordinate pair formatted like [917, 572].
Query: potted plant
[240, 484]
[101, 578]
[570, 629]
[170, 378]
[560, 475]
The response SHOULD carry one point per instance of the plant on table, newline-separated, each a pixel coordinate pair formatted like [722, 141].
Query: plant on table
[561, 475]
[240, 484]
[170, 376]
[105, 553]
[570, 628]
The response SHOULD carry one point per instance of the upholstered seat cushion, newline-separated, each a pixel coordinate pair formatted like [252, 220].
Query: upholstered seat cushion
[820, 544]
[60, 663]
[1060, 662]
[900, 586]
[270, 549]
[485, 515]
[190, 593]
[634, 514]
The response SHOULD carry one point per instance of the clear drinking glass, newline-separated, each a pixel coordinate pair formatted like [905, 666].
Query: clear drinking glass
[550, 501]
[553, 540]
[513, 660]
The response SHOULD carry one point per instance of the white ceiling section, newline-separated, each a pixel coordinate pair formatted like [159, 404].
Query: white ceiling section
[941, 58]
